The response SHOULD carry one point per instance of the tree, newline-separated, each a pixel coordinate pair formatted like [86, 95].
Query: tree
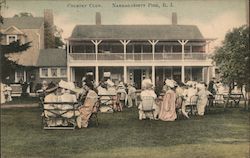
[232, 58]
[7, 65]
[53, 36]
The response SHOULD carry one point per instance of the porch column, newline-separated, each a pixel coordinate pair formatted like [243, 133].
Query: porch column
[72, 72]
[153, 43]
[182, 74]
[153, 75]
[207, 46]
[68, 73]
[125, 74]
[124, 43]
[96, 43]
[97, 75]
[203, 74]
[182, 42]
[208, 74]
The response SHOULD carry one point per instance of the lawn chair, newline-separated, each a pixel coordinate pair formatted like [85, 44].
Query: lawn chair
[94, 114]
[218, 99]
[178, 103]
[191, 107]
[233, 98]
[147, 105]
[56, 116]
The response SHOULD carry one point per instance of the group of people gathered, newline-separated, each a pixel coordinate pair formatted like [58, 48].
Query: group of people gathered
[174, 96]
[111, 97]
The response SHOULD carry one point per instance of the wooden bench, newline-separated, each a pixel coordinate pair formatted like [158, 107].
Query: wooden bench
[233, 98]
[16, 90]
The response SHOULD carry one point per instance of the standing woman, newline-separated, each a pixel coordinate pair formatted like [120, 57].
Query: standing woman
[167, 111]
[202, 99]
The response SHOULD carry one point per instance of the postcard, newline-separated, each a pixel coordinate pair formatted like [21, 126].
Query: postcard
[142, 44]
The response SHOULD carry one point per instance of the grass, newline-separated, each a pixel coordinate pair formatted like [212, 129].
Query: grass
[22, 100]
[219, 134]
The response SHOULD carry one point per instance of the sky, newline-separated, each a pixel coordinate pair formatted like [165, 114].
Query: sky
[214, 18]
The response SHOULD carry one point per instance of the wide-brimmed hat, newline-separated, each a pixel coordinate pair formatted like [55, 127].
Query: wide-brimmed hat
[170, 83]
[121, 85]
[68, 85]
[90, 73]
[200, 86]
[147, 83]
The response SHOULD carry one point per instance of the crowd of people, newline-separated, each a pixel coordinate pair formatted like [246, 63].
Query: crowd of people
[174, 97]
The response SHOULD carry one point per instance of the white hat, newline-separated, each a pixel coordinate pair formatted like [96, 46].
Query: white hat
[170, 83]
[121, 85]
[200, 86]
[89, 73]
[106, 74]
[67, 85]
[189, 83]
[110, 83]
[147, 83]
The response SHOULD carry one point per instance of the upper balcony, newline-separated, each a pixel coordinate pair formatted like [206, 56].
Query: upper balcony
[74, 57]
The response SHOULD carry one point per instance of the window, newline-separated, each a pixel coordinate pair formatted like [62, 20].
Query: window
[54, 72]
[20, 76]
[63, 72]
[44, 72]
[11, 38]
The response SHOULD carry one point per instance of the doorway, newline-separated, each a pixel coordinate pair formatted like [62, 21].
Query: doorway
[137, 78]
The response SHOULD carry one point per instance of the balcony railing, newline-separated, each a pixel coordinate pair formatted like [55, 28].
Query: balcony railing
[137, 56]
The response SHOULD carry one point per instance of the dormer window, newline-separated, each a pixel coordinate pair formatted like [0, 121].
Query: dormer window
[11, 38]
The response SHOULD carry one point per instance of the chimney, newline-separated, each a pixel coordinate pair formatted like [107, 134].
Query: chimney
[174, 18]
[98, 20]
[48, 17]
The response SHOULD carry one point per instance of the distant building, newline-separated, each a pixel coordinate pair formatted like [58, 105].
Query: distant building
[134, 52]
[40, 63]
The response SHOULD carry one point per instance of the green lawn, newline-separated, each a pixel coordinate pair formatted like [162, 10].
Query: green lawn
[22, 100]
[219, 134]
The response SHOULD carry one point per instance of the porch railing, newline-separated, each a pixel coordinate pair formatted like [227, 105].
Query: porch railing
[137, 56]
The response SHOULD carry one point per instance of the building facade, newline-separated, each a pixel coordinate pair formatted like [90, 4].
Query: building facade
[40, 61]
[134, 52]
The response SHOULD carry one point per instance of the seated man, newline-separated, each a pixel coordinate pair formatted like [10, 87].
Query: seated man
[147, 91]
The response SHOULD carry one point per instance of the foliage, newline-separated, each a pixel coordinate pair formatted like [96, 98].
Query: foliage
[7, 65]
[232, 58]
[52, 35]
